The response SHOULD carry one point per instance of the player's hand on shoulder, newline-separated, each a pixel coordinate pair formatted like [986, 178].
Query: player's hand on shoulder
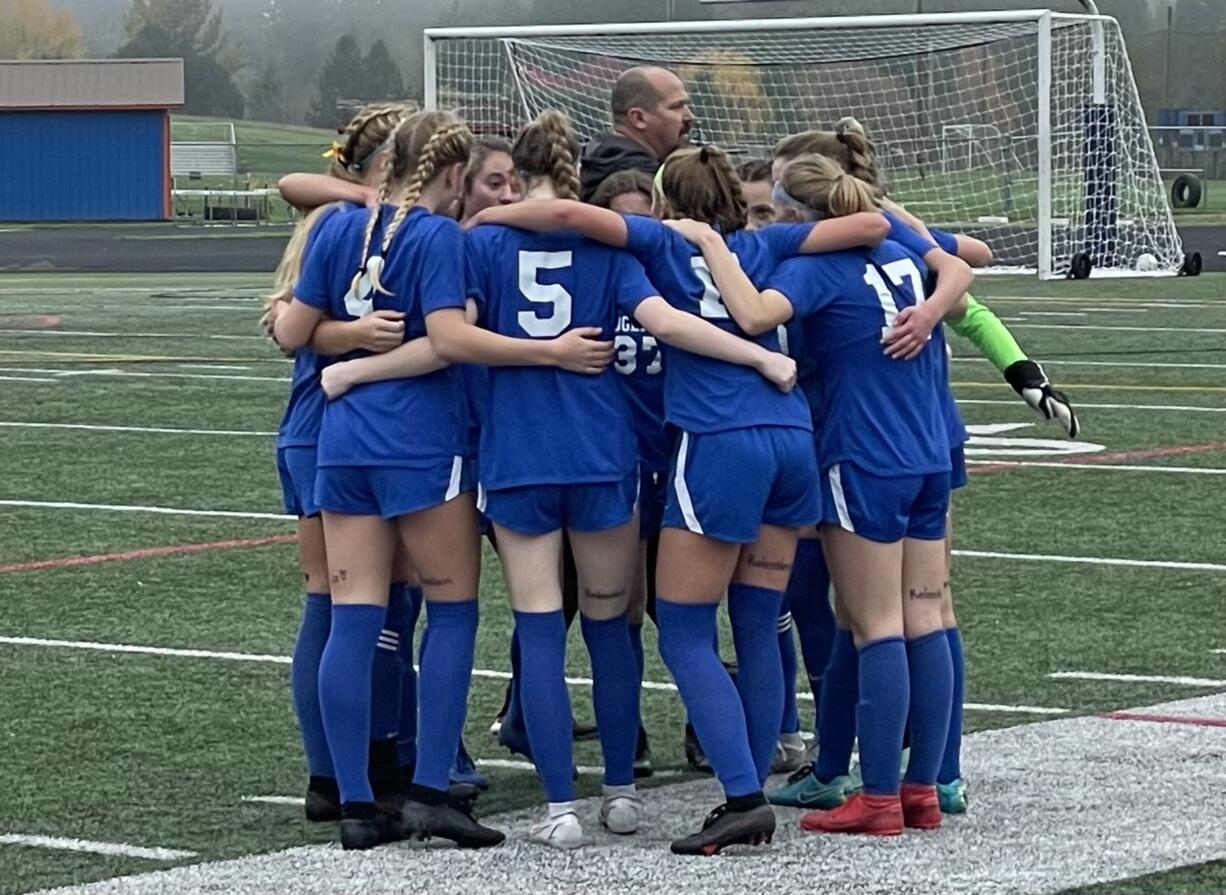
[381, 330]
[582, 350]
[909, 334]
[1029, 381]
[690, 230]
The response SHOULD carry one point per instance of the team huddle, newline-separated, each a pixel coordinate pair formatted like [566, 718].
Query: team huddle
[699, 382]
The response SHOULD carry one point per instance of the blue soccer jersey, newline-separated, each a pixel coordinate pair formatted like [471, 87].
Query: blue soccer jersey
[411, 422]
[702, 394]
[544, 425]
[881, 414]
[945, 240]
[640, 361]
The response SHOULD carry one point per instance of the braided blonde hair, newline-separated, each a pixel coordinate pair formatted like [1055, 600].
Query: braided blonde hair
[422, 145]
[366, 132]
[547, 147]
[699, 182]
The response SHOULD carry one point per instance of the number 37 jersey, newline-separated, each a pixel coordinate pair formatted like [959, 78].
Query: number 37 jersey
[544, 425]
[881, 414]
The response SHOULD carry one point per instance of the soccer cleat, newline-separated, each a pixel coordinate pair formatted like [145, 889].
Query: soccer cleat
[921, 810]
[515, 738]
[452, 819]
[857, 782]
[323, 800]
[723, 827]
[621, 812]
[366, 824]
[465, 770]
[789, 753]
[560, 831]
[952, 796]
[642, 757]
[861, 813]
[803, 790]
[502, 712]
[694, 755]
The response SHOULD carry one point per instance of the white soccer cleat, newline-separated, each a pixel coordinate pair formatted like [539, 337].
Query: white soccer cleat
[559, 831]
[621, 810]
[790, 753]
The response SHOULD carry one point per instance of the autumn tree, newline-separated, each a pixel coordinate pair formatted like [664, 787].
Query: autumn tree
[31, 29]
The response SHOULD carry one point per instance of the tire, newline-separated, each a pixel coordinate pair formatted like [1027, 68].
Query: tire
[1186, 191]
[1191, 265]
[1080, 267]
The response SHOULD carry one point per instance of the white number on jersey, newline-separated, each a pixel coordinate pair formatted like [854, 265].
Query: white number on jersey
[712, 304]
[627, 355]
[899, 272]
[360, 299]
[553, 295]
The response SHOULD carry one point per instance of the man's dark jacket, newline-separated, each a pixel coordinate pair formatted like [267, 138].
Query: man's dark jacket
[609, 153]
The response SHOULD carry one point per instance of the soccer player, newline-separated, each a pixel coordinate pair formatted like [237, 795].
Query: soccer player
[885, 461]
[741, 484]
[383, 477]
[558, 452]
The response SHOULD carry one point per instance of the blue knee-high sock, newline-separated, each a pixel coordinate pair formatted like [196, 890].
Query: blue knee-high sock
[881, 713]
[636, 644]
[808, 599]
[951, 761]
[403, 610]
[687, 636]
[787, 654]
[446, 669]
[344, 693]
[932, 685]
[385, 673]
[514, 717]
[615, 694]
[544, 700]
[304, 681]
[836, 729]
[754, 613]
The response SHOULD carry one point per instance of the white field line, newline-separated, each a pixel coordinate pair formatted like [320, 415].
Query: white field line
[66, 374]
[1075, 299]
[210, 367]
[1177, 408]
[97, 334]
[121, 648]
[1055, 313]
[275, 800]
[153, 429]
[1095, 560]
[1120, 329]
[123, 508]
[26, 379]
[1155, 365]
[1186, 470]
[116, 849]
[1137, 678]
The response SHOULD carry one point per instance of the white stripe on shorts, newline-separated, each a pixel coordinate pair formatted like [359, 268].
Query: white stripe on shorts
[480, 498]
[457, 470]
[840, 501]
[683, 491]
[785, 623]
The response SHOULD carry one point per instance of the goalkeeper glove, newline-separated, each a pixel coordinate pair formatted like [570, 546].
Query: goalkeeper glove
[1029, 381]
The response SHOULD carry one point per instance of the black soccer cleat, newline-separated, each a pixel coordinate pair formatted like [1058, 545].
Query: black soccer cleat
[366, 824]
[428, 814]
[724, 827]
[323, 800]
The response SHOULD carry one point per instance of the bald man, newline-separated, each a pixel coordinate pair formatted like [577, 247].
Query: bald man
[651, 118]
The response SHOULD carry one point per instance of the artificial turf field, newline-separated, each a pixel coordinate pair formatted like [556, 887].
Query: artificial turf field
[137, 413]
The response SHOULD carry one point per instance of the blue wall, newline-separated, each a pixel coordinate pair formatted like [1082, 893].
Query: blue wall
[83, 165]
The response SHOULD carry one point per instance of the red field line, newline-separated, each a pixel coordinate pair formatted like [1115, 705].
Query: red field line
[1148, 453]
[98, 559]
[1165, 719]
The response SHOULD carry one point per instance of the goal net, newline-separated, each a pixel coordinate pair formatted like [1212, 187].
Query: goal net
[1022, 128]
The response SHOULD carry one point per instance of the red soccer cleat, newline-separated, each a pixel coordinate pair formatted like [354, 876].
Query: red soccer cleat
[861, 813]
[921, 809]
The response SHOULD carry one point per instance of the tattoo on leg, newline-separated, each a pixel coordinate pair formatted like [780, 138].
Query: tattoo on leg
[945, 585]
[435, 582]
[769, 565]
[340, 575]
[604, 595]
[925, 594]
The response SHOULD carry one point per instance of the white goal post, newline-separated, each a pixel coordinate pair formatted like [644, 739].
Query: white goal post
[1055, 160]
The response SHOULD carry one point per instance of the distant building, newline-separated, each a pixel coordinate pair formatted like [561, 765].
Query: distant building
[93, 136]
